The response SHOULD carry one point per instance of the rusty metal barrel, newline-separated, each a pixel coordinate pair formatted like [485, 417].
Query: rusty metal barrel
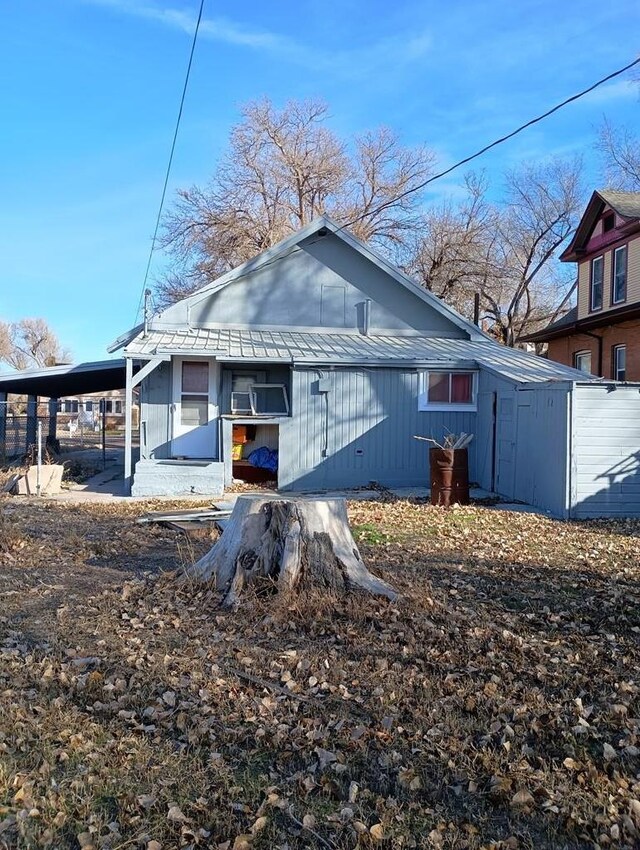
[449, 470]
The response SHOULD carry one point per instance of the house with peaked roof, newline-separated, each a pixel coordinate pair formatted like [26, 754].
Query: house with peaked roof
[601, 334]
[325, 359]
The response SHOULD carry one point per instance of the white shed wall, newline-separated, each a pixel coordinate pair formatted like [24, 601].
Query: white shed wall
[605, 475]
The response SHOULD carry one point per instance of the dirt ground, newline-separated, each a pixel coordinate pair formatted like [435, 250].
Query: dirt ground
[494, 706]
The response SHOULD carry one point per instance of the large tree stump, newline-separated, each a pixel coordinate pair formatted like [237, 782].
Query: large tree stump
[287, 544]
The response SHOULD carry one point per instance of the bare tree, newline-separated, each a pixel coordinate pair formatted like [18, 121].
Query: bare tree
[506, 251]
[620, 153]
[541, 211]
[283, 168]
[29, 343]
[451, 253]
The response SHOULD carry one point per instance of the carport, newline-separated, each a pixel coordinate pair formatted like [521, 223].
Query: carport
[53, 383]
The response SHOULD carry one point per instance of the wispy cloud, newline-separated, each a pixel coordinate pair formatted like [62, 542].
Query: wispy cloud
[356, 62]
[618, 90]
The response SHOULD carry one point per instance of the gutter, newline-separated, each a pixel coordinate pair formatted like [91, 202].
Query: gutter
[604, 319]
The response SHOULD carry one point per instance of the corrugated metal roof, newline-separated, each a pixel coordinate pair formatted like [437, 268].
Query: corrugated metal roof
[66, 380]
[344, 349]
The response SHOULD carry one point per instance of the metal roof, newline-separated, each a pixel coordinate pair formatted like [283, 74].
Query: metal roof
[68, 380]
[347, 349]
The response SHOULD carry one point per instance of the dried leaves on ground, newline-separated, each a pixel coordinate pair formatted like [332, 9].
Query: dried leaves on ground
[494, 706]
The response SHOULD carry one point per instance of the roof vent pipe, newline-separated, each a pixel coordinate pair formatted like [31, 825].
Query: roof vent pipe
[147, 311]
[367, 317]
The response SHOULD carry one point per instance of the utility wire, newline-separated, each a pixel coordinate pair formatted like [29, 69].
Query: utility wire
[173, 147]
[420, 186]
[488, 147]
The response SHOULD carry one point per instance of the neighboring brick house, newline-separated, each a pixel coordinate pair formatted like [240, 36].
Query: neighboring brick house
[601, 335]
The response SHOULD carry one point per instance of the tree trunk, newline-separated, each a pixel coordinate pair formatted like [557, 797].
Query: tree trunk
[292, 544]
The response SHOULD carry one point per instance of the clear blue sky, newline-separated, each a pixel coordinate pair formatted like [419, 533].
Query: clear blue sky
[90, 90]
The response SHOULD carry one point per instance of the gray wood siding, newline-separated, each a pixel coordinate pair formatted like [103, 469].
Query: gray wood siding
[322, 284]
[367, 422]
[155, 414]
[488, 386]
[542, 447]
[606, 451]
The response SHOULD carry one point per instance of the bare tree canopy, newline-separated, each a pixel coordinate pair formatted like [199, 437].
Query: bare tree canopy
[620, 152]
[283, 167]
[505, 251]
[30, 343]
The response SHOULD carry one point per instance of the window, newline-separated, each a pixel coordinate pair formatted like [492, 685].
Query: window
[608, 222]
[269, 399]
[241, 392]
[88, 406]
[450, 390]
[619, 362]
[582, 361]
[619, 285]
[117, 406]
[597, 275]
[108, 405]
[194, 400]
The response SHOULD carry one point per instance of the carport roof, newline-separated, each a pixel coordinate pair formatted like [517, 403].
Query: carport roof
[68, 380]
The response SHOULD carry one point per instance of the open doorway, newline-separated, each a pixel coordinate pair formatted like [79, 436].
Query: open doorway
[255, 455]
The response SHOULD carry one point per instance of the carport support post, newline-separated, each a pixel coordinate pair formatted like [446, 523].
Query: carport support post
[128, 423]
[4, 404]
[53, 422]
[32, 421]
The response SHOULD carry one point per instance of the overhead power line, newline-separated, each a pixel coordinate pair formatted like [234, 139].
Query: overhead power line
[494, 144]
[422, 185]
[169, 164]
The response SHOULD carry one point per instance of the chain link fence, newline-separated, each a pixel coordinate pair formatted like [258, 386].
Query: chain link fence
[70, 426]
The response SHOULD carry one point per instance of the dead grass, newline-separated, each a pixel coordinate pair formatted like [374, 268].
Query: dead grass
[495, 706]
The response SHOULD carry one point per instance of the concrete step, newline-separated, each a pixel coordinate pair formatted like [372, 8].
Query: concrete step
[178, 478]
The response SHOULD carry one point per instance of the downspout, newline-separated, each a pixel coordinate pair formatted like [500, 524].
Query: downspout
[599, 338]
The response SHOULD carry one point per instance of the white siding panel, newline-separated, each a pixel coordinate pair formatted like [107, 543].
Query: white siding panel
[606, 451]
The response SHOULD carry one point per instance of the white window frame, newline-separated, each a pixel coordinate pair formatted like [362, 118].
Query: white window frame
[616, 351]
[595, 260]
[285, 397]
[423, 389]
[620, 248]
[583, 353]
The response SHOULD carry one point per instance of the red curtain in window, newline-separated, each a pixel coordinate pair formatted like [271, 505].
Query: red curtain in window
[461, 388]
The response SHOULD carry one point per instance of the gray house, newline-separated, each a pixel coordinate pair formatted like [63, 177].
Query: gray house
[329, 359]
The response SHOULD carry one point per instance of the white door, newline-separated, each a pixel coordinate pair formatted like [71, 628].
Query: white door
[195, 408]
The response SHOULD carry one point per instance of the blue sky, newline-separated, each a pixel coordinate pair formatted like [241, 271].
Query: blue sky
[90, 90]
